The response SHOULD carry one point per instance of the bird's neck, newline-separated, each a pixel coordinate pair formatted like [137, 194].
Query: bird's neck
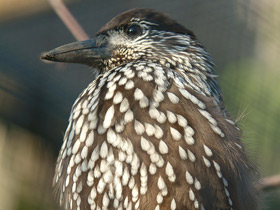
[192, 65]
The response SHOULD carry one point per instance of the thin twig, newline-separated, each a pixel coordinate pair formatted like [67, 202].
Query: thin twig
[270, 182]
[68, 19]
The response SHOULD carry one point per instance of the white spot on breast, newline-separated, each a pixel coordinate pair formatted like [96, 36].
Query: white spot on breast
[77, 174]
[131, 182]
[154, 113]
[129, 74]
[100, 186]
[230, 202]
[150, 129]
[122, 81]
[105, 201]
[189, 132]
[85, 111]
[139, 128]
[230, 121]
[144, 102]
[135, 193]
[109, 117]
[104, 167]
[135, 164]
[160, 162]
[207, 150]
[191, 155]
[94, 156]
[189, 178]
[76, 114]
[173, 204]
[217, 166]
[108, 176]
[163, 149]
[77, 158]
[240, 147]
[225, 182]
[120, 126]
[191, 195]
[152, 168]
[70, 137]
[217, 130]
[101, 129]
[173, 98]
[110, 92]
[128, 117]
[90, 178]
[80, 187]
[196, 205]
[90, 139]
[76, 147]
[118, 98]
[206, 162]
[67, 181]
[83, 134]
[159, 198]
[170, 172]
[79, 124]
[171, 117]
[84, 166]
[197, 184]
[125, 177]
[138, 94]
[175, 134]
[182, 153]
[110, 157]
[158, 96]
[92, 196]
[125, 203]
[117, 78]
[111, 136]
[84, 152]
[161, 118]
[143, 179]
[182, 121]
[193, 99]
[208, 116]
[161, 184]
[158, 132]
[189, 140]
[129, 85]
[124, 105]
[154, 157]
[122, 156]
[145, 144]
[227, 192]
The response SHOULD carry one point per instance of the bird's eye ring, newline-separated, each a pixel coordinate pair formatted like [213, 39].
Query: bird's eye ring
[134, 30]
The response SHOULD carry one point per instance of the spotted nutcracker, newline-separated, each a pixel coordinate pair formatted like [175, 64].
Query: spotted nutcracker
[151, 131]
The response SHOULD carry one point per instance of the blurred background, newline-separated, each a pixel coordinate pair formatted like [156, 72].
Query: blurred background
[243, 37]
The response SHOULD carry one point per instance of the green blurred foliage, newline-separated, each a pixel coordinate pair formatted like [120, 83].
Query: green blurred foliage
[251, 94]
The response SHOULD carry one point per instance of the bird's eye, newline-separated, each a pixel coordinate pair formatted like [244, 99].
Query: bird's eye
[134, 30]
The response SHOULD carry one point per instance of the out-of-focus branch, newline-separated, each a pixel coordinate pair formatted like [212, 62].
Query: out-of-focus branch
[68, 19]
[270, 182]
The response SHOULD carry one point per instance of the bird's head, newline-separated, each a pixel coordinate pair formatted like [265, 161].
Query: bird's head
[132, 35]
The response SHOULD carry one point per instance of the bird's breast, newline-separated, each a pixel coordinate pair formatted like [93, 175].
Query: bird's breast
[140, 138]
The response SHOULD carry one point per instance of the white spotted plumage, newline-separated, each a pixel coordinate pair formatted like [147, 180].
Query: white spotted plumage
[133, 131]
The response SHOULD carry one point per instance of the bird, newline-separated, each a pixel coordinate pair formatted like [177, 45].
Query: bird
[151, 131]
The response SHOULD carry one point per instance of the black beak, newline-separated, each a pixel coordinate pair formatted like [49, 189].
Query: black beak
[85, 52]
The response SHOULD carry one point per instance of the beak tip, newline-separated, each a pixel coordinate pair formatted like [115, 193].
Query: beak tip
[47, 56]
